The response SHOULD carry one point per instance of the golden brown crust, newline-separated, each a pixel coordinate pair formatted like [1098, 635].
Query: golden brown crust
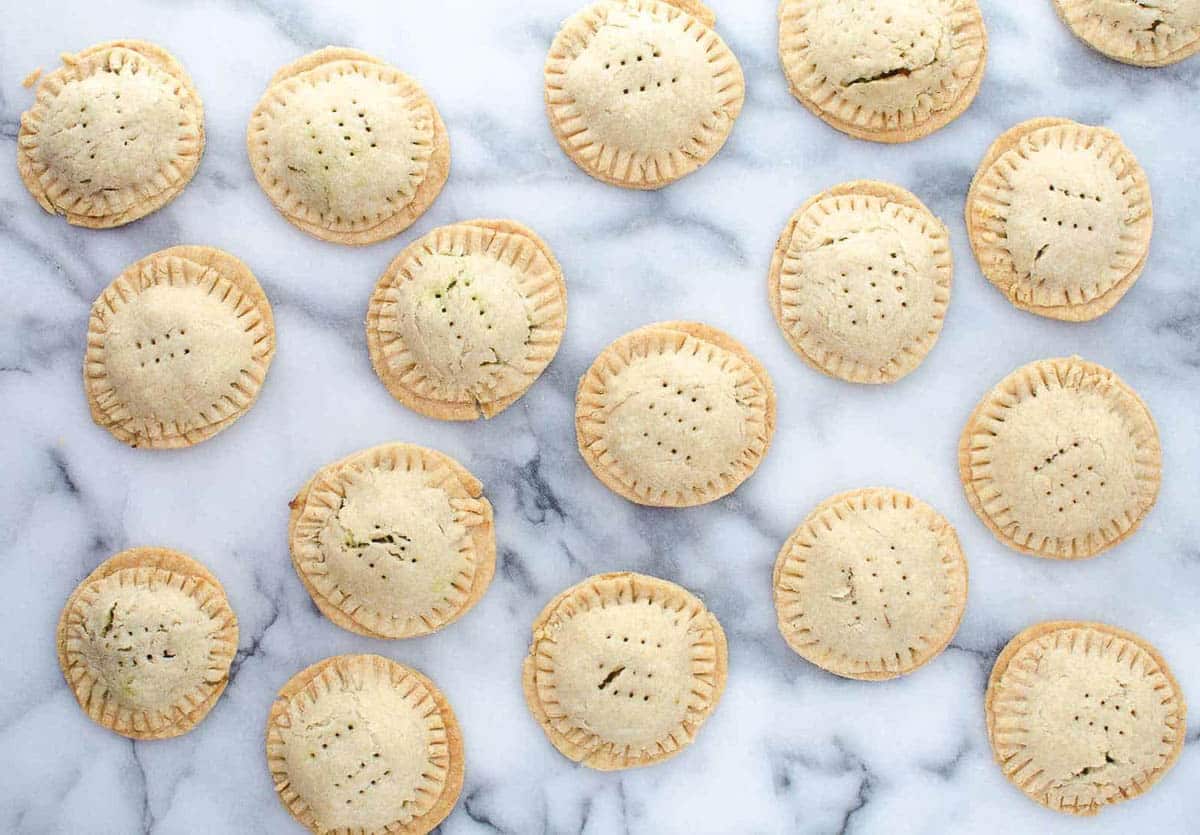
[436, 173]
[456, 756]
[697, 10]
[910, 359]
[723, 340]
[1050, 547]
[324, 55]
[593, 751]
[1074, 312]
[956, 564]
[678, 497]
[458, 410]
[1079, 14]
[629, 167]
[106, 409]
[31, 170]
[109, 716]
[483, 535]
[1037, 631]
[899, 134]
[873, 188]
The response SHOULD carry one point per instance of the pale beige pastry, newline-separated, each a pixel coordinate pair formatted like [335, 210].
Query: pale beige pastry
[1083, 715]
[872, 585]
[349, 149]
[884, 70]
[860, 281]
[1059, 217]
[1145, 33]
[178, 346]
[393, 541]
[642, 92]
[1061, 459]
[146, 642]
[114, 134]
[674, 414]
[359, 743]
[466, 318]
[624, 669]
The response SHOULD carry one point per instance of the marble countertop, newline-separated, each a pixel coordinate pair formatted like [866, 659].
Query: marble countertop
[791, 748]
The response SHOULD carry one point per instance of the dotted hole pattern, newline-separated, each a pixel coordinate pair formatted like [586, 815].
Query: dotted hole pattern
[361, 780]
[129, 645]
[871, 287]
[478, 306]
[156, 349]
[874, 562]
[653, 78]
[609, 675]
[1070, 479]
[678, 402]
[1094, 711]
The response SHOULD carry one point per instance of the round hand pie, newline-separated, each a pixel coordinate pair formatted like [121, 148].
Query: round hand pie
[1059, 217]
[348, 148]
[674, 414]
[359, 743]
[642, 92]
[884, 70]
[1083, 715]
[115, 134]
[393, 541]
[860, 281]
[1145, 33]
[623, 670]
[1061, 459]
[178, 346]
[466, 318]
[146, 642]
[872, 585]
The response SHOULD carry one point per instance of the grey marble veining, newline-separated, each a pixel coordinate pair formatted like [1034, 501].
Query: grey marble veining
[791, 748]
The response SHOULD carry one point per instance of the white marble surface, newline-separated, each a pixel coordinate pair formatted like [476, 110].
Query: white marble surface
[790, 749]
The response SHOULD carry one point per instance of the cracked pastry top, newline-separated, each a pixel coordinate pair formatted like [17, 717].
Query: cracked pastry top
[1145, 33]
[1061, 459]
[393, 541]
[349, 149]
[466, 318]
[113, 135]
[178, 346]
[674, 414]
[146, 642]
[623, 670]
[872, 585]
[1059, 217]
[1083, 715]
[860, 281]
[883, 70]
[642, 92]
[359, 743]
